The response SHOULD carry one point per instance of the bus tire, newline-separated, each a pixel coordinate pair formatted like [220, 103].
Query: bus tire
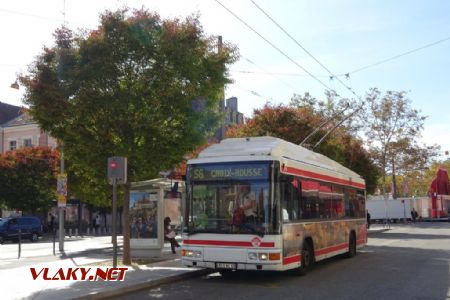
[307, 259]
[351, 245]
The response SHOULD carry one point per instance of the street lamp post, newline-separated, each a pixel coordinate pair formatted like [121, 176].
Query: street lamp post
[62, 194]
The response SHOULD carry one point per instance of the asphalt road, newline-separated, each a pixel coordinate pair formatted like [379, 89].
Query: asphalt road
[406, 262]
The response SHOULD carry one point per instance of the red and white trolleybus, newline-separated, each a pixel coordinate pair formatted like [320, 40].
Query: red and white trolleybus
[262, 203]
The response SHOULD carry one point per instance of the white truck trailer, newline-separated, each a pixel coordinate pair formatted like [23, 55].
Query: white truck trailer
[397, 209]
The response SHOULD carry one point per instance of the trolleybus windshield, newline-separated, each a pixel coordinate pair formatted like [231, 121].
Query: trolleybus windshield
[229, 198]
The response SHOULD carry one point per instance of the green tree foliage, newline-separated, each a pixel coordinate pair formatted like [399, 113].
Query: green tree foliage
[295, 121]
[393, 128]
[138, 86]
[28, 178]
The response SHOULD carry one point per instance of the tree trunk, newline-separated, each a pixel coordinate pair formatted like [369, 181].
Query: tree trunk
[126, 226]
[383, 162]
[80, 213]
[394, 183]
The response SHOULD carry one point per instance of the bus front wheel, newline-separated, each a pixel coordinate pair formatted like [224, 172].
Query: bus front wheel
[307, 259]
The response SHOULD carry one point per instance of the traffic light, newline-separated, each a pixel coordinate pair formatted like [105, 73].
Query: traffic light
[117, 169]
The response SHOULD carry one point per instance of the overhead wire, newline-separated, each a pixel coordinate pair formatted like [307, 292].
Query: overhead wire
[273, 46]
[333, 76]
[269, 73]
[274, 73]
[254, 93]
[400, 55]
[347, 75]
[40, 17]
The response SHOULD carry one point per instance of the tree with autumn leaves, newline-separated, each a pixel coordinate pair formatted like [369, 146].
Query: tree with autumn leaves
[28, 178]
[138, 86]
[393, 130]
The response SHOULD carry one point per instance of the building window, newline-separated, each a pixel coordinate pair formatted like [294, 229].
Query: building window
[12, 145]
[27, 143]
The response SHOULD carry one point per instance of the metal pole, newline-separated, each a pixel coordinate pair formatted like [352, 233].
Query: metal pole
[20, 243]
[114, 215]
[54, 240]
[61, 213]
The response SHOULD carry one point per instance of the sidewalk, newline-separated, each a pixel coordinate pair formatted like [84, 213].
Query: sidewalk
[17, 281]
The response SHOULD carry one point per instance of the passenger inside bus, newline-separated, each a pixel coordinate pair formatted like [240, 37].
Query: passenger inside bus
[246, 200]
[245, 209]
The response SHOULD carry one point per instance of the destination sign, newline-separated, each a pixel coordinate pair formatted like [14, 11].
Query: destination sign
[227, 171]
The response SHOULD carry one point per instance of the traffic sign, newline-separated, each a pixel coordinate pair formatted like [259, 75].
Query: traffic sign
[62, 201]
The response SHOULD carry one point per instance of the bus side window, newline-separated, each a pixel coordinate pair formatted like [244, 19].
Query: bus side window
[296, 198]
[291, 196]
[310, 199]
[338, 202]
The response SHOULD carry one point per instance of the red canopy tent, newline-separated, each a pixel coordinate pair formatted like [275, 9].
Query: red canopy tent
[439, 186]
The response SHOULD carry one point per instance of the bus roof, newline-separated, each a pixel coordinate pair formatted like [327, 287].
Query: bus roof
[293, 158]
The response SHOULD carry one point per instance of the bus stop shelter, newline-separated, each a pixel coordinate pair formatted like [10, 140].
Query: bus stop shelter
[150, 202]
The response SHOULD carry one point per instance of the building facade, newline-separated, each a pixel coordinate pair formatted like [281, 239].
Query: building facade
[21, 132]
[231, 116]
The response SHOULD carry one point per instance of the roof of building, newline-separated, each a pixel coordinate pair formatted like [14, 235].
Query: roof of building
[22, 119]
[8, 112]
[272, 148]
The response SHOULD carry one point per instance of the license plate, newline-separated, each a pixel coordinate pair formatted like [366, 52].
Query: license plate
[225, 266]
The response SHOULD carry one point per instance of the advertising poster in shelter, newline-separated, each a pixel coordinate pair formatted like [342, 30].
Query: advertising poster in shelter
[144, 216]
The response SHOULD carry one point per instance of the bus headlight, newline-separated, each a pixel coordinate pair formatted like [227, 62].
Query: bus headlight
[263, 256]
[191, 253]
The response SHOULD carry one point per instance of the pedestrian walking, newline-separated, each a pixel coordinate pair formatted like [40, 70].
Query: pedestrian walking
[414, 215]
[368, 220]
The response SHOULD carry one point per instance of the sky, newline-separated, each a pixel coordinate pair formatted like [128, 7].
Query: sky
[401, 45]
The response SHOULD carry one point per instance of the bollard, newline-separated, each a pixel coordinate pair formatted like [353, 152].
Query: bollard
[70, 232]
[54, 241]
[20, 242]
